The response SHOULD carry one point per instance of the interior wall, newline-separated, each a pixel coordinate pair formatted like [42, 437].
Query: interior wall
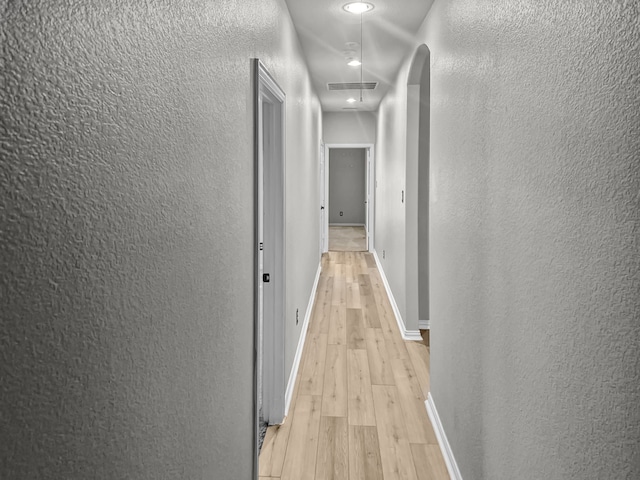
[390, 172]
[351, 127]
[347, 185]
[411, 187]
[302, 157]
[127, 215]
[534, 214]
[423, 190]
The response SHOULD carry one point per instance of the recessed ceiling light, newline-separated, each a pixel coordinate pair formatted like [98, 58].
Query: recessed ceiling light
[351, 100]
[358, 7]
[354, 62]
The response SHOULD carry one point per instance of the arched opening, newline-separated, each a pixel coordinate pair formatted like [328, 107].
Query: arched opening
[417, 185]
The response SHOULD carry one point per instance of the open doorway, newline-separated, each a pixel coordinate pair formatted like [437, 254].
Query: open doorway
[347, 206]
[270, 244]
[347, 199]
[417, 182]
[417, 196]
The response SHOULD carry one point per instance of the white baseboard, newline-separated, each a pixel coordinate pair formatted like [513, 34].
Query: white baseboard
[346, 225]
[424, 324]
[303, 335]
[406, 334]
[447, 453]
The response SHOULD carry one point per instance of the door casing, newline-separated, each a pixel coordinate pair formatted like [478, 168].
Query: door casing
[269, 138]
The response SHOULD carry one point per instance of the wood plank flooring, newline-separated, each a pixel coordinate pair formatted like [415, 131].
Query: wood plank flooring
[358, 407]
[347, 238]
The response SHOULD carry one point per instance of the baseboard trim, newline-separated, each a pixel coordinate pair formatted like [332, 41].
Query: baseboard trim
[424, 324]
[447, 453]
[303, 335]
[346, 224]
[413, 335]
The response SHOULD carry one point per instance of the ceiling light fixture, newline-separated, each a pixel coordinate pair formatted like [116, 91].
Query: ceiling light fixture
[358, 7]
[351, 100]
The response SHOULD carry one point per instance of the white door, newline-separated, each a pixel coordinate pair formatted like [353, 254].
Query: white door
[260, 258]
[270, 268]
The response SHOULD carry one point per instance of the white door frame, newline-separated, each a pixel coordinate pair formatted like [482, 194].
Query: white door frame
[417, 191]
[370, 192]
[269, 141]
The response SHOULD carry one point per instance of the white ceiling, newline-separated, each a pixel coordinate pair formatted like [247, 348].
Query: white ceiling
[324, 29]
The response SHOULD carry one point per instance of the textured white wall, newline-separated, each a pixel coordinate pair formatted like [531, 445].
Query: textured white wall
[126, 215]
[351, 127]
[535, 263]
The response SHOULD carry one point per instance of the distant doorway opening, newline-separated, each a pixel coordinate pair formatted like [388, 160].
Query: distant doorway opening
[347, 201]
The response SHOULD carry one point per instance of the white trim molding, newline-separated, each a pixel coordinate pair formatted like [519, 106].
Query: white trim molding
[406, 334]
[303, 335]
[424, 324]
[447, 453]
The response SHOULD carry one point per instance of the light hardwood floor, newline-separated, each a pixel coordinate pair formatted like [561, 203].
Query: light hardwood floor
[358, 407]
[347, 239]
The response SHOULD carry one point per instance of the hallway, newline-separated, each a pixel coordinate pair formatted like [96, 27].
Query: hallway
[504, 143]
[358, 407]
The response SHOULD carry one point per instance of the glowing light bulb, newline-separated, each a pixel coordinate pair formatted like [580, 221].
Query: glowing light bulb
[358, 7]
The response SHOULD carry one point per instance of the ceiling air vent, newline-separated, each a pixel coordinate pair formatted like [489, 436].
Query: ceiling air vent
[352, 86]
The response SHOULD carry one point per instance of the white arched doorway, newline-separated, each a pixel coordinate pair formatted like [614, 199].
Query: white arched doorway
[417, 186]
